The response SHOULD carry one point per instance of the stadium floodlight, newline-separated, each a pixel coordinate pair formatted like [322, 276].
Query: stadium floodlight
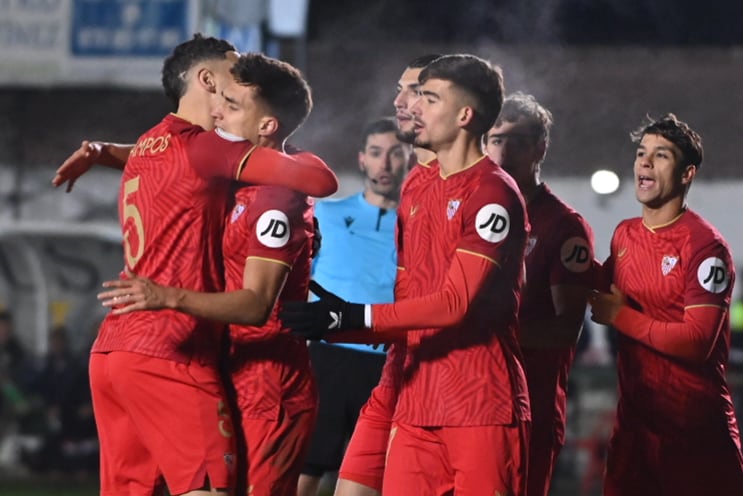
[604, 182]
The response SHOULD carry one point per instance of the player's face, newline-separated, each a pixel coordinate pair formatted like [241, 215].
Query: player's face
[437, 112]
[384, 161]
[240, 111]
[659, 176]
[515, 147]
[222, 77]
[407, 93]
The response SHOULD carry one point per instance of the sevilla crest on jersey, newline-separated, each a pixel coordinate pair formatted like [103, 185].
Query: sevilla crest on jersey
[452, 207]
[667, 264]
[237, 212]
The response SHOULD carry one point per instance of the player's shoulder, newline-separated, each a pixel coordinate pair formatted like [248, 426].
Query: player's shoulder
[262, 197]
[701, 233]
[421, 171]
[628, 225]
[491, 178]
[560, 213]
[181, 127]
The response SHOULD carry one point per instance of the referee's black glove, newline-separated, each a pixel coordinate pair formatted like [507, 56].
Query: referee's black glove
[314, 320]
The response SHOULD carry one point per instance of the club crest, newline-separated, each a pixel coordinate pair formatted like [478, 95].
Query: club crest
[452, 207]
[667, 264]
[237, 212]
[531, 242]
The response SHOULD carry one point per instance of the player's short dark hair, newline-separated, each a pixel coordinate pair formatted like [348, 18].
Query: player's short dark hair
[184, 57]
[422, 61]
[280, 85]
[538, 119]
[478, 78]
[379, 126]
[677, 132]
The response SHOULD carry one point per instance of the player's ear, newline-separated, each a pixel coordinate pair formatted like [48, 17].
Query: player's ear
[688, 174]
[541, 150]
[207, 80]
[466, 115]
[268, 126]
[362, 165]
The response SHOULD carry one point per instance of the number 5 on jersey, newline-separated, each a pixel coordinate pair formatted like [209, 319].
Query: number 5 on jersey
[132, 214]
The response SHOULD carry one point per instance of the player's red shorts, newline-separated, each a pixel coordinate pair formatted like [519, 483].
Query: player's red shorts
[641, 463]
[364, 460]
[158, 418]
[490, 459]
[275, 452]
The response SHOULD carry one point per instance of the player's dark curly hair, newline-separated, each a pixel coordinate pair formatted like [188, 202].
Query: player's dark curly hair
[677, 132]
[280, 85]
[184, 57]
[478, 78]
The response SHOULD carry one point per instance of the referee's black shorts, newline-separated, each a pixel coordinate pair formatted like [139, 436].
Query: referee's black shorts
[345, 378]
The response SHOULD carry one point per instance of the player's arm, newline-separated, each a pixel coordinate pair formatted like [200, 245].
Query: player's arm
[304, 172]
[220, 154]
[251, 305]
[571, 266]
[448, 307]
[91, 153]
[562, 330]
[691, 339]
[367, 336]
[466, 275]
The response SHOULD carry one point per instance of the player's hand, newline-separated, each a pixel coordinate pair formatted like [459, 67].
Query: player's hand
[314, 320]
[77, 164]
[135, 293]
[606, 306]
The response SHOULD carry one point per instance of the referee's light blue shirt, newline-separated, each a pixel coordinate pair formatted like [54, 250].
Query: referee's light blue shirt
[357, 258]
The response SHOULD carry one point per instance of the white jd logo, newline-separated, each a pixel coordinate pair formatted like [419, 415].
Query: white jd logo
[335, 320]
[272, 229]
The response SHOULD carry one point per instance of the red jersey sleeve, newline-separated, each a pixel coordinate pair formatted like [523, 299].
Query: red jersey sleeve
[445, 308]
[276, 225]
[219, 154]
[709, 279]
[573, 254]
[215, 154]
[303, 172]
[491, 216]
[692, 340]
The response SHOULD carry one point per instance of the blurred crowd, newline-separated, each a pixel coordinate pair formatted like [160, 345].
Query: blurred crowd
[46, 413]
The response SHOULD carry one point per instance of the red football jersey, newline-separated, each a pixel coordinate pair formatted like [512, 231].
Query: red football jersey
[393, 365]
[663, 271]
[467, 374]
[270, 368]
[172, 219]
[559, 250]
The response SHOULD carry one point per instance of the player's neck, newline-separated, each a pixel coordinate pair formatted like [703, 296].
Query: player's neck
[665, 214]
[423, 156]
[459, 154]
[529, 187]
[195, 112]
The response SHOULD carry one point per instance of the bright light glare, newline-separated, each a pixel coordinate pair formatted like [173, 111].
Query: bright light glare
[604, 182]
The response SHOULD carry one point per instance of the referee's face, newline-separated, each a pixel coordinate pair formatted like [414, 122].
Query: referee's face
[384, 162]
